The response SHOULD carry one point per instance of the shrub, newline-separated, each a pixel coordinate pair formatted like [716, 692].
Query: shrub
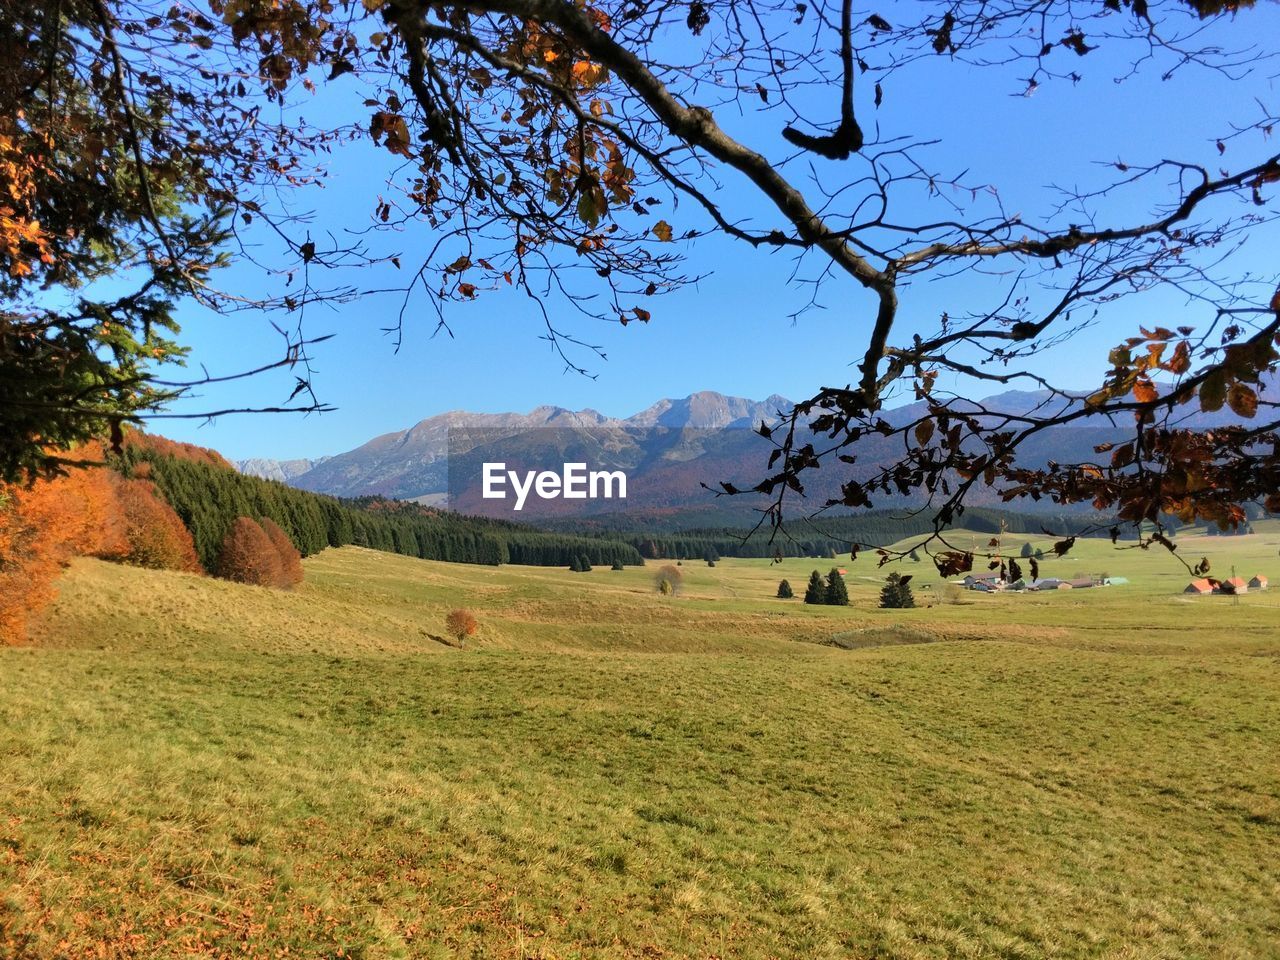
[784, 591]
[290, 558]
[461, 624]
[249, 556]
[617, 565]
[672, 576]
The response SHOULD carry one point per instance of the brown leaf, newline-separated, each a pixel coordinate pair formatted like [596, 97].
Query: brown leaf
[1242, 400]
[1144, 391]
[1213, 391]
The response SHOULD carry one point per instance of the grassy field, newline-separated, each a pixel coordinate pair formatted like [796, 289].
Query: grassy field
[192, 768]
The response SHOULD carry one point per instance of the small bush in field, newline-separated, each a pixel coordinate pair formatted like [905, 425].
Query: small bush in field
[784, 590]
[461, 624]
[672, 576]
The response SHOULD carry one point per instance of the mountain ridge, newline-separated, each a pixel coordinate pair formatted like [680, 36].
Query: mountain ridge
[412, 464]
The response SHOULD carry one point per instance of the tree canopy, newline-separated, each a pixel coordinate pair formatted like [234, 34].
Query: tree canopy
[541, 146]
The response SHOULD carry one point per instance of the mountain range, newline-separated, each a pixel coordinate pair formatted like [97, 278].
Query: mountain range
[413, 464]
[669, 451]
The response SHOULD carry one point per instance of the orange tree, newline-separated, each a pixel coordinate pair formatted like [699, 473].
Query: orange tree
[461, 624]
[538, 144]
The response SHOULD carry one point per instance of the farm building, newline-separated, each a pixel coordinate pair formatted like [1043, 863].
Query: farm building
[1259, 582]
[1081, 583]
[985, 581]
[1114, 581]
[1200, 586]
[1234, 585]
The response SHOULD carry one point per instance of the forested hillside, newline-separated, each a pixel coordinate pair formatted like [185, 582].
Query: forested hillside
[824, 535]
[208, 495]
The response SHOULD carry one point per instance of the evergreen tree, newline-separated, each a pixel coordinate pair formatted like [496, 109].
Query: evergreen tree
[836, 593]
[784, 591]
[816, 591]
[1027, 550]
[617, 565]
[574, 565]
[915, 555]
[896, 592]
[584, 565]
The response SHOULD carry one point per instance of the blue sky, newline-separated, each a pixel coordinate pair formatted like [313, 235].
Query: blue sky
[732, 332]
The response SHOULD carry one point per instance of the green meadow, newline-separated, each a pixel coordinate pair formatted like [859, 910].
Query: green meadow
[193, 768]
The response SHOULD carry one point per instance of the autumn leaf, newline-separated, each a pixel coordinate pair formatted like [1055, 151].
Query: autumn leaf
[588, 74]
[952, 562]
[662, 230]
[1242, 400]
[1213, 391]
[1180, 362]
[1144, 391]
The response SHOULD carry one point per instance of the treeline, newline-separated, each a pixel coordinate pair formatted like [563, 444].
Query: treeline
[209, 498]
[834, 535]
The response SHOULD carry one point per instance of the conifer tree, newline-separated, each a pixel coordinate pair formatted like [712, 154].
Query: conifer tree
[836, 593]
[784, 591]
[816, 591]
[896, 592]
